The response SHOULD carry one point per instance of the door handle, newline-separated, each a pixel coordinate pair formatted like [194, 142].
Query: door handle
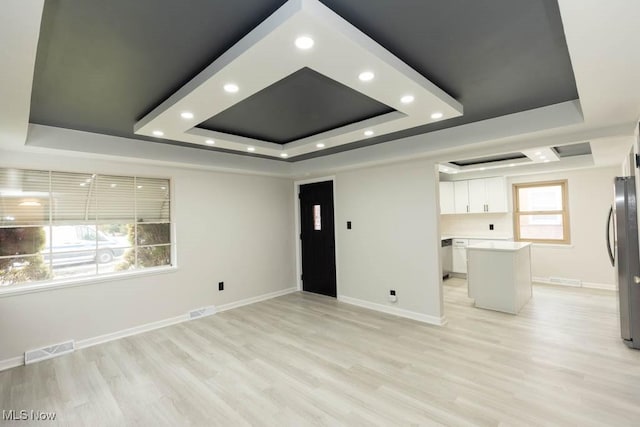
[608, 237]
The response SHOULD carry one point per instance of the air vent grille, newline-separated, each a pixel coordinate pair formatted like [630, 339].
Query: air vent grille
[45, 353]
[202, 312]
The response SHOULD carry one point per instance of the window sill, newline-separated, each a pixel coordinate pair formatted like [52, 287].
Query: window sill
[14, 290]
[553, 245]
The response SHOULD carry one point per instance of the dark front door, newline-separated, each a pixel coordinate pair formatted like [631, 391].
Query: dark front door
[318, 238]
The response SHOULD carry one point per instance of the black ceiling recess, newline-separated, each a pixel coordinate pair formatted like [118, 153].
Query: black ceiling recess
[489, 159]
[102, 65]
[303, 104]
[579, 149]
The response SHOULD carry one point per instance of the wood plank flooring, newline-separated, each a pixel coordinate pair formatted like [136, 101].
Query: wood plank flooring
[304, 360]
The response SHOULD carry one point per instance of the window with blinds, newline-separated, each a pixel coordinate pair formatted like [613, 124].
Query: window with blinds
[56, 225]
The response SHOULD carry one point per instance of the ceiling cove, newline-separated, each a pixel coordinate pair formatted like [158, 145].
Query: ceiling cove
[102, 67]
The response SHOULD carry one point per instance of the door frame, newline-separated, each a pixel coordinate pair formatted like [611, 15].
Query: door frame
[296, 207]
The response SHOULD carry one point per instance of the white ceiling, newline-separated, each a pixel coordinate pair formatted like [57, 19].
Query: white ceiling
[603, 40]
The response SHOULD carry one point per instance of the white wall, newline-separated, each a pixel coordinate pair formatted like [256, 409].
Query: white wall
[586, 259]
[394, 241]
[232, 228]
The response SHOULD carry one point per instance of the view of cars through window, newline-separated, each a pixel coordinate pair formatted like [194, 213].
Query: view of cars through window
[73, 249]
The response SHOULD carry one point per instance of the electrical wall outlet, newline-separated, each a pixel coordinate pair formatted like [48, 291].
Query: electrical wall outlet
[221, 286]
[490, 226]
[392, 296]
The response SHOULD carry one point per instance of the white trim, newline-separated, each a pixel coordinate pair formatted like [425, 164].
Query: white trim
[101, 339]
[589, 285]
[605, 286]
[425, 318]
[252, 300]
[14, 290]
[12, 362]
[296, 210]
[112, 336]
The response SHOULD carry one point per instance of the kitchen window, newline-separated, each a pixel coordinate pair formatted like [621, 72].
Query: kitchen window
[541, 212]
[60, 225]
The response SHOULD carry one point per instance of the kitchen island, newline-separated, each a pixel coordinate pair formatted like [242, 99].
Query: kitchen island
[499, 275]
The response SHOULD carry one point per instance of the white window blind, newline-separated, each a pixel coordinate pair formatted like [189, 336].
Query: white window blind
[63, 224]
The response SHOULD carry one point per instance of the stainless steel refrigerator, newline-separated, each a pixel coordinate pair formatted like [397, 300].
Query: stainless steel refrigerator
[625, 256]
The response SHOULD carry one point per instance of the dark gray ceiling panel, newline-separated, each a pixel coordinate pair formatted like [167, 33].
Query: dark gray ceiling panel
[580, 149]
[489, 159]
[303, 104]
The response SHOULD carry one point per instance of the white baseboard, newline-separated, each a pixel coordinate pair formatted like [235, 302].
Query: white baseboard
[606, 286]
[101, 339]
[590, 285]
[11, 363]
[425, 318]
[253, 300]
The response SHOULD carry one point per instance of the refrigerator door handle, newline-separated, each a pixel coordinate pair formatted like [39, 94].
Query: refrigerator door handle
[608, 239]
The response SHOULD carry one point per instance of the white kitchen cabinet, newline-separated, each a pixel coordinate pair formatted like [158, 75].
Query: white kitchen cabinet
[447, 198]
[487, 195]
[461, 196]
[477, 196]
[459, 255]
[496, 191]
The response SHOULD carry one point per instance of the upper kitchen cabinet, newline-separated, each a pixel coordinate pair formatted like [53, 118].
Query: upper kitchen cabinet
[486, 195]
[447, 198]
[461, 193]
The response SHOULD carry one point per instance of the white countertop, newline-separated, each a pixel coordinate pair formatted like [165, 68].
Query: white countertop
[494, 237]
[499, 246]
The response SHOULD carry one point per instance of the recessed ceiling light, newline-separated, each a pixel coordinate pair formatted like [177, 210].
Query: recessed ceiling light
[366, 76]
[407, 99]
[445, 170]
[163, 188]
[186, 115]
[547, 161]
[252, 149]
[30, 203]
[139, 186]
[368, 133]
[9, 218]
[284, 155]
[210, 141]
[454, 171]
[158, 133]
[483, 169]
[231, 88]
[83, 184]
[436, 115]
[538, 153]
[543, 157]
[113, 185]
[304, 42]
[512, 165]
[320, 145]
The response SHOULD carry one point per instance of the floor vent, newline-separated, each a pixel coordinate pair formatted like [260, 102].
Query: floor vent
[563, 281]
[202, 312]
[45, 353]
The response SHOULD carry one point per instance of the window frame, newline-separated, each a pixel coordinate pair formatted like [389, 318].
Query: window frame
[566, 227]
[98, 277]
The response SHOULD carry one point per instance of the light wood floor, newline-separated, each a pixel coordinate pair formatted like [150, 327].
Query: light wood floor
[303, 360]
